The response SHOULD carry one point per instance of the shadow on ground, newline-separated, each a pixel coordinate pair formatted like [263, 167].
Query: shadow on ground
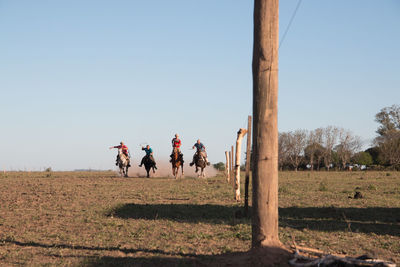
[215, 214]
[261, 257]
[272, 256]
[382, 221]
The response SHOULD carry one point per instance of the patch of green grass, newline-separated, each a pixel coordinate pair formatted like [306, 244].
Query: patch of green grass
[323, 186]
[372, 187]
[283, 189]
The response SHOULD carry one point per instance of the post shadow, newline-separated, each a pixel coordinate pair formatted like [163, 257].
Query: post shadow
[378, 220]
[270, 256]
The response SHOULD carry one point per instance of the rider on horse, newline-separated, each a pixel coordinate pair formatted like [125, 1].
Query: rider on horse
[176, 146]
[149, 154]
[124, 150]
[201, 151]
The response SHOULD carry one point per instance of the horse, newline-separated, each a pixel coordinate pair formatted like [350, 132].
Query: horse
[201, 164]
[177, 161]
[123, 162]
[148, 165]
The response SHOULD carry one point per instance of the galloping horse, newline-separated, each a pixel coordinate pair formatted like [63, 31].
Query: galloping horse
[201, 164]
[148, 164]
[123, 162]
[177, 161]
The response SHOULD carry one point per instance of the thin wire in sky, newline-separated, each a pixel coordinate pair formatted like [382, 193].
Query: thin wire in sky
[290, 23]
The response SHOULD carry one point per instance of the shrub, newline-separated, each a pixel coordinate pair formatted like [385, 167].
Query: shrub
[220, 166]
[372, 187]
[323, 186]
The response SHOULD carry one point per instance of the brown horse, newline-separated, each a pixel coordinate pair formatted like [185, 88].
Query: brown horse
[177, 161]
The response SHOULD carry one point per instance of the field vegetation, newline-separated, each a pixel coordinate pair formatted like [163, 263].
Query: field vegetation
[96, 218]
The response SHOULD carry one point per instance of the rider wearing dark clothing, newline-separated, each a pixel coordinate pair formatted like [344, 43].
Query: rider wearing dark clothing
[201, 151]
[149, 154]
[200, 147]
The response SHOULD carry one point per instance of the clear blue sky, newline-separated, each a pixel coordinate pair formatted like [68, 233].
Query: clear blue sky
[79, 76]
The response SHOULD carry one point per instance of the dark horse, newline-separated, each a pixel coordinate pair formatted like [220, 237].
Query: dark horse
[200, 163]
[148, 165]
[177, 161]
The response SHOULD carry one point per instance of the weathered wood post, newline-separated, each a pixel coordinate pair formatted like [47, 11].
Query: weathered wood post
[242, 132]
[232, 165]
[227, 167]
[248, 158]
[265, 134]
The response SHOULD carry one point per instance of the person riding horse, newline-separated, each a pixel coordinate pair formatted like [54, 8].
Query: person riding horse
[176, 146]
[124, 150]
[149, 155]
[200, 152]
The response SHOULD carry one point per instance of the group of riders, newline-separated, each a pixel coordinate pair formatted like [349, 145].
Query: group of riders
[176, 147]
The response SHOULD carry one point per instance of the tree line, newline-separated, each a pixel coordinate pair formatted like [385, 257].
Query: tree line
[338, 148]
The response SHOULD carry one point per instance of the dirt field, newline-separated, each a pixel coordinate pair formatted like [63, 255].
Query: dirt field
[96, 218]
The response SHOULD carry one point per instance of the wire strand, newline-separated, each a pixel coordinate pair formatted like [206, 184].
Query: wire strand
[290, 23]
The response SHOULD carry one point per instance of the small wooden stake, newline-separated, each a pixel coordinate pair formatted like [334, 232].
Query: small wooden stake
[227, 167]
[232, 164]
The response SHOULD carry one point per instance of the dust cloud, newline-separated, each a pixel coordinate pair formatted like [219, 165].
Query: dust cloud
[164, 169]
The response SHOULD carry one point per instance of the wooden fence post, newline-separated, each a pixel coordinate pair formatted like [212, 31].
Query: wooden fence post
[227, 167]
[248, 160]
[232, 165]
[242, 132]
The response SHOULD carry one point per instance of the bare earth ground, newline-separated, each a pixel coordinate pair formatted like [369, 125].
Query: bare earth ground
[98, 219]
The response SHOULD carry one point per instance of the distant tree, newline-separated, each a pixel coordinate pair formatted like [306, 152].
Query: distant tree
[243, 167]
[389, 119]
[297, 143]
[329, 137]
[389, 147]
[318, 152]
[388, 140]
[375, 154]
[362, 158]
[283, 149]
[312, 151]
[348, 145]
[335, 161]
[220, 166]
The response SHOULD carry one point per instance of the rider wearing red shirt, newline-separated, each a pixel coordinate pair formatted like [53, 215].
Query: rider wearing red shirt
[176, 146]
[124, 150]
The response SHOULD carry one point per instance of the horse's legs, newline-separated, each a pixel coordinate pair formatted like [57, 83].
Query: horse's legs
[182, 168]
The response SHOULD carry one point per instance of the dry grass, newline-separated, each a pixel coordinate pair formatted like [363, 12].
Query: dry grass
[96, 218]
